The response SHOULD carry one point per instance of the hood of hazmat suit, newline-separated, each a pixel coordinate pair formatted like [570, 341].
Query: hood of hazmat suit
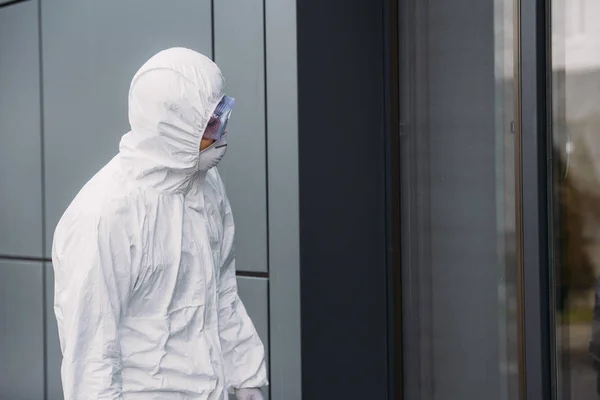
[145, 286]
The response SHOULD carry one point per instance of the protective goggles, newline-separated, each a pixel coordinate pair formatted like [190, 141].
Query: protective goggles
[217, 125]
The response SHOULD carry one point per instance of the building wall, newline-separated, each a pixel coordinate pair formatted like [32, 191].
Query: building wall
[65, 68]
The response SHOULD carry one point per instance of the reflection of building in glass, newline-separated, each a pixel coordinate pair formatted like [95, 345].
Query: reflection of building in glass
[576, 35]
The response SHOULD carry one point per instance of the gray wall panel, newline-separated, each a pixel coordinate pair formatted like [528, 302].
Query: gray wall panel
[53, 354]
[21, 331]
[253, 292]
[239, 52]
[20, 152]
[90, 53]
[284, 242]
[254, 295]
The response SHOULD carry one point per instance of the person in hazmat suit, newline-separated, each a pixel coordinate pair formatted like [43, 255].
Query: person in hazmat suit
[145, 286]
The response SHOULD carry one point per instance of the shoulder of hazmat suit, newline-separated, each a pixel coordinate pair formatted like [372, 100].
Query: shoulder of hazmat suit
[145, 287]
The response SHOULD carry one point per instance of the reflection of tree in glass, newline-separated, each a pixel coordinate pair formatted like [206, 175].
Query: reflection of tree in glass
[577, 209]
[579, 236]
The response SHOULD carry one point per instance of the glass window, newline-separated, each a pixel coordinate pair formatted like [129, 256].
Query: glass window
[459, 262]
[576, 136]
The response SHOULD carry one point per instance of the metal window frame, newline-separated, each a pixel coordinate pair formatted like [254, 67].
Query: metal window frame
[391, 26]
[413, 286]
[533, 177]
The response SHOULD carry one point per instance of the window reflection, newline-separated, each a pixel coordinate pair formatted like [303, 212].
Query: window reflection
[576, 93]
[460, 311]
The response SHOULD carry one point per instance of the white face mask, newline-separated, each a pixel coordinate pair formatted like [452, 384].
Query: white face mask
[211, 156]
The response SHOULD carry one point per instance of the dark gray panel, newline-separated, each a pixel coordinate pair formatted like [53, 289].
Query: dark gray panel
[253, 292]
[284, 242]
[343, 218]
[53, 354]
[20, 152]
[21, 331]
[239, 51]
[91, 51]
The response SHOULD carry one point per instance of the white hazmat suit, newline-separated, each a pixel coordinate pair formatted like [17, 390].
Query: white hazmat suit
[145, 286]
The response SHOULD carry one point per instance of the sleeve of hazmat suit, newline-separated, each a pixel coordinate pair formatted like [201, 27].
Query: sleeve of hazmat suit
[92, 284]
[248, 394]
[243, 350]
